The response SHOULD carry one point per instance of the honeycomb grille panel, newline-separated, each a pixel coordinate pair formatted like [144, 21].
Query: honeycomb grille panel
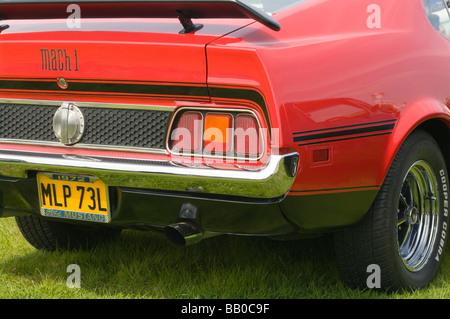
[103, 126]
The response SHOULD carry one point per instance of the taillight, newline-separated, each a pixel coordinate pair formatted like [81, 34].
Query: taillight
[247, 136]
[187, 138]
[210, 133]
[217, 134]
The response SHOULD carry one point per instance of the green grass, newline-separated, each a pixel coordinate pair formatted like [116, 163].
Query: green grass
[146, 265]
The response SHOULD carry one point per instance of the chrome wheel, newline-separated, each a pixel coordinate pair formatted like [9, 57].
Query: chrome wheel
[405, 230]
[418, 216]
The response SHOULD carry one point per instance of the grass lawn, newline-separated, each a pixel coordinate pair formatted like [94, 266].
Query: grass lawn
[146, 265]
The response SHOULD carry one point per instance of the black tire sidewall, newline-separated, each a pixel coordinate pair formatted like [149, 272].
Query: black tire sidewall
[50, 235]
[421, 146]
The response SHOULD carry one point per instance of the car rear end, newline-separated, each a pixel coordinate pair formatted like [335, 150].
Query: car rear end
[108, 118]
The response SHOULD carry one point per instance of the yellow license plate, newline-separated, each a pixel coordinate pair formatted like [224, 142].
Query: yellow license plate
[77, 197]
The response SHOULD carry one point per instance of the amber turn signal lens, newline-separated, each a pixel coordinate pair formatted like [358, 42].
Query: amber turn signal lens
[217, 133]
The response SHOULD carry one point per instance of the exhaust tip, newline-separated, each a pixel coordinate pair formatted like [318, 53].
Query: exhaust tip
[184, 233]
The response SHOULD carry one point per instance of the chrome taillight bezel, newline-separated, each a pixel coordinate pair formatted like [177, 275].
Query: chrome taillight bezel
[232, 155]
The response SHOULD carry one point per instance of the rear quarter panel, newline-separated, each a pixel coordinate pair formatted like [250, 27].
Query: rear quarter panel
[334, 81]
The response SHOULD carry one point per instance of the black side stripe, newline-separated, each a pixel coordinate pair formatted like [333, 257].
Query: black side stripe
[340, 134]
[197, 91]
[108, 87]
[370, 129]
[344, 139]
[345, 126]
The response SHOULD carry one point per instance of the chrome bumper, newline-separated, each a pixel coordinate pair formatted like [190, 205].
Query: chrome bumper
[272, 181]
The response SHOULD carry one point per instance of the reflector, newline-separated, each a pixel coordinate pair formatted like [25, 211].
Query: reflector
[321, 155]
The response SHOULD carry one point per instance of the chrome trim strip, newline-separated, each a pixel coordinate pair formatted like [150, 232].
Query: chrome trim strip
[87, 146]
[272, 181]
[92, 104]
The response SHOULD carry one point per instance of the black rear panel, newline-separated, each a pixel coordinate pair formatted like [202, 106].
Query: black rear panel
[103, 126]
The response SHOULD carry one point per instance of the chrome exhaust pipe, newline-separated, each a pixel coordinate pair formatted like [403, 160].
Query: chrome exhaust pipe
[184, 233]
[187, 231]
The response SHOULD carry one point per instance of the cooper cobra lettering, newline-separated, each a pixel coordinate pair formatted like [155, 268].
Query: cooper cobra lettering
[444, 224]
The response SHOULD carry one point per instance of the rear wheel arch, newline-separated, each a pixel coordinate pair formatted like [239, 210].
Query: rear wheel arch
[427, 114]
[440, 131]
[437, 127]
[405, 230]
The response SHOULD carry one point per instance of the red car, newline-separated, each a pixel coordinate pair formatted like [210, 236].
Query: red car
[275, 118]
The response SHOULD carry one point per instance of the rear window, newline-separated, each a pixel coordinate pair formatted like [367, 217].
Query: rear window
[438, 15]
[272, 6]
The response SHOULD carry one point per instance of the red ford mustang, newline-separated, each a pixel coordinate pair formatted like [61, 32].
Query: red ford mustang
[248, 117]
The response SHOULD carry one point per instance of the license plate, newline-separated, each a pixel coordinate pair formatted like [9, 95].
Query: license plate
[77, 197]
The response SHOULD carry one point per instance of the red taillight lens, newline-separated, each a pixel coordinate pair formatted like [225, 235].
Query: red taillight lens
[187, 135]
[247, 136]
[217, 133]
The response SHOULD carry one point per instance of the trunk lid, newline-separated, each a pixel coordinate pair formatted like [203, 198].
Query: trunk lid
[147, 50]
[142, 41]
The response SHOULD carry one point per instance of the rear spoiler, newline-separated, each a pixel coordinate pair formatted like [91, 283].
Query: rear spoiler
[184, 10]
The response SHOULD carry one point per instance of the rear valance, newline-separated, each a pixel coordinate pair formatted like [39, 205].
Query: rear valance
[48, 9]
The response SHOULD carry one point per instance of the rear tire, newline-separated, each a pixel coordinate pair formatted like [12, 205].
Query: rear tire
[49, 235]
[405, 232]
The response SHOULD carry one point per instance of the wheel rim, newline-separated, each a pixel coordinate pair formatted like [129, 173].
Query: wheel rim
[418, 217]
